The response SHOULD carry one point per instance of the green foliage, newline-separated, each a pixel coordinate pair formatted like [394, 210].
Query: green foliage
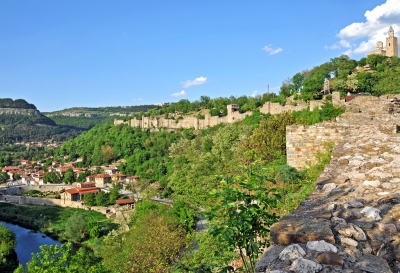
[7, 241]
[4, 177]
[68, 176]
[207, 255]
[185, 214]
[312, 87]
[244, 214]
[61, 259]
[268, 141]
[102, 199]
[196, 162]
[89, 199]
[327, 112]
[18, 127]
[151, 245]
[19, 103]
[93, 228]
[80, 122]
[51, 177]
[50, 220]
[75, 228]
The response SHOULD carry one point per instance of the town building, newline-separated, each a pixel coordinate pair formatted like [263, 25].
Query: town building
[77, 193]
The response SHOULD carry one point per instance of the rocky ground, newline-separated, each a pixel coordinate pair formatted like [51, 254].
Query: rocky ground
[350, 222]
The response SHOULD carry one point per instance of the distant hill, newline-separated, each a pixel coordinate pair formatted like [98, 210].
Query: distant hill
[21, 121]
[19, 103]
[86, 117]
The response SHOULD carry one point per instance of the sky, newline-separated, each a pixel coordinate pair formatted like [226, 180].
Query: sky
[59, 54]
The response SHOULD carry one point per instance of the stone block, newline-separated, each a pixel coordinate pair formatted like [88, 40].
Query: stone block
[293, 229]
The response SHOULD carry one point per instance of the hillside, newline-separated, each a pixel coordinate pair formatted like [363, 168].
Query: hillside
[87, 117]
[21, 121]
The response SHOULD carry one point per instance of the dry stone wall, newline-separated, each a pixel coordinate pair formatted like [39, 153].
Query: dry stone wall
[186, 122]
[209, 121]
[303, 142]
[351, 222]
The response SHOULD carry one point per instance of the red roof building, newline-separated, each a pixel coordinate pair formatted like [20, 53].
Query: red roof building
[75, 194]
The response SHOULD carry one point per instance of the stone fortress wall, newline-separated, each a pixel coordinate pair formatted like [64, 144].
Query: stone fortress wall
[303, 142]
[209, 121]
[351, 222]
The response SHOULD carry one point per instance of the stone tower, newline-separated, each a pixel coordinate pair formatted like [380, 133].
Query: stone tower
[392, 46]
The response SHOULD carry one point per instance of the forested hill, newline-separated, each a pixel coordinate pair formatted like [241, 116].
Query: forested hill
[21, 121]
[19, 103]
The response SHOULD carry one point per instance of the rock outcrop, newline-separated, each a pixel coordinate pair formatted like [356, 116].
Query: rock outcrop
[19, 111]
[350, 222]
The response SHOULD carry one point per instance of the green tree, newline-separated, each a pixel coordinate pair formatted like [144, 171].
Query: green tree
[4, 177]
[7, 240]
[8, 257]
[268, 141]
[312, 86]
[69, 176]
[152, 244]
[16, 176]
[89, 199]
[297, 82]
[93, 228]
[61, 259]
[102, 199]
[52, 177]
[243, 214]
[75, 228]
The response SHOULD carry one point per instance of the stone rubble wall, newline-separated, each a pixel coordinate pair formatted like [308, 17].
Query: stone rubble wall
[303, 142]
[351, 222]
[186, 122]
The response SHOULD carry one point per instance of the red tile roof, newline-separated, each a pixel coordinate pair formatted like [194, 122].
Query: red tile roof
[125, 201]
[83, 190]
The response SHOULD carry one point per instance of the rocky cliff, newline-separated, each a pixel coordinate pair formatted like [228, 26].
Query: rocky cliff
[19, 111]
[350, 222]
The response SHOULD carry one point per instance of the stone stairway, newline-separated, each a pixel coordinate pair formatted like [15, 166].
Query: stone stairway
[350, 222]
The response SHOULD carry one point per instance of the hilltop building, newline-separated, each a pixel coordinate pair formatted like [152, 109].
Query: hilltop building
[392, 46]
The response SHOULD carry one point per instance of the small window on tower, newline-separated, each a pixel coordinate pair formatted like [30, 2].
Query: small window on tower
[389, 44]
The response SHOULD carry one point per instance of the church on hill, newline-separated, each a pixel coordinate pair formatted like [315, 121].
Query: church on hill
[392, 46]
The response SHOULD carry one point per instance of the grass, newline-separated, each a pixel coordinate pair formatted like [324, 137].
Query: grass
[294, 192]
[49, 220]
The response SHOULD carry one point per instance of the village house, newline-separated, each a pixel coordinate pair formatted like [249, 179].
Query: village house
[126, 203]
[118, 177]
[77, 193]
[101, 180]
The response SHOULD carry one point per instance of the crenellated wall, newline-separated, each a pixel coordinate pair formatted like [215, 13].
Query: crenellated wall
[186, 122]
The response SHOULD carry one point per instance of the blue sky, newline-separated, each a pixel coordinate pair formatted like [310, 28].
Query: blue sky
[61, 54]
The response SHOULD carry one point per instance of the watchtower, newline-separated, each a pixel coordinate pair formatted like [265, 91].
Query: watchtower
[392, 46]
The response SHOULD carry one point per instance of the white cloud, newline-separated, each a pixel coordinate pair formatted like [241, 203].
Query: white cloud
[272, 51]
[255, 94]
[139, 99]
[197, 81]
[374, 29]
[179, 94]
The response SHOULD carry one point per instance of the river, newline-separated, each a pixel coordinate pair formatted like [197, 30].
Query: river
[28, 242]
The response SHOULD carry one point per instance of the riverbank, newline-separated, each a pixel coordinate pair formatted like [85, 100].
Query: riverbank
[50, 220]
[28, 241]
